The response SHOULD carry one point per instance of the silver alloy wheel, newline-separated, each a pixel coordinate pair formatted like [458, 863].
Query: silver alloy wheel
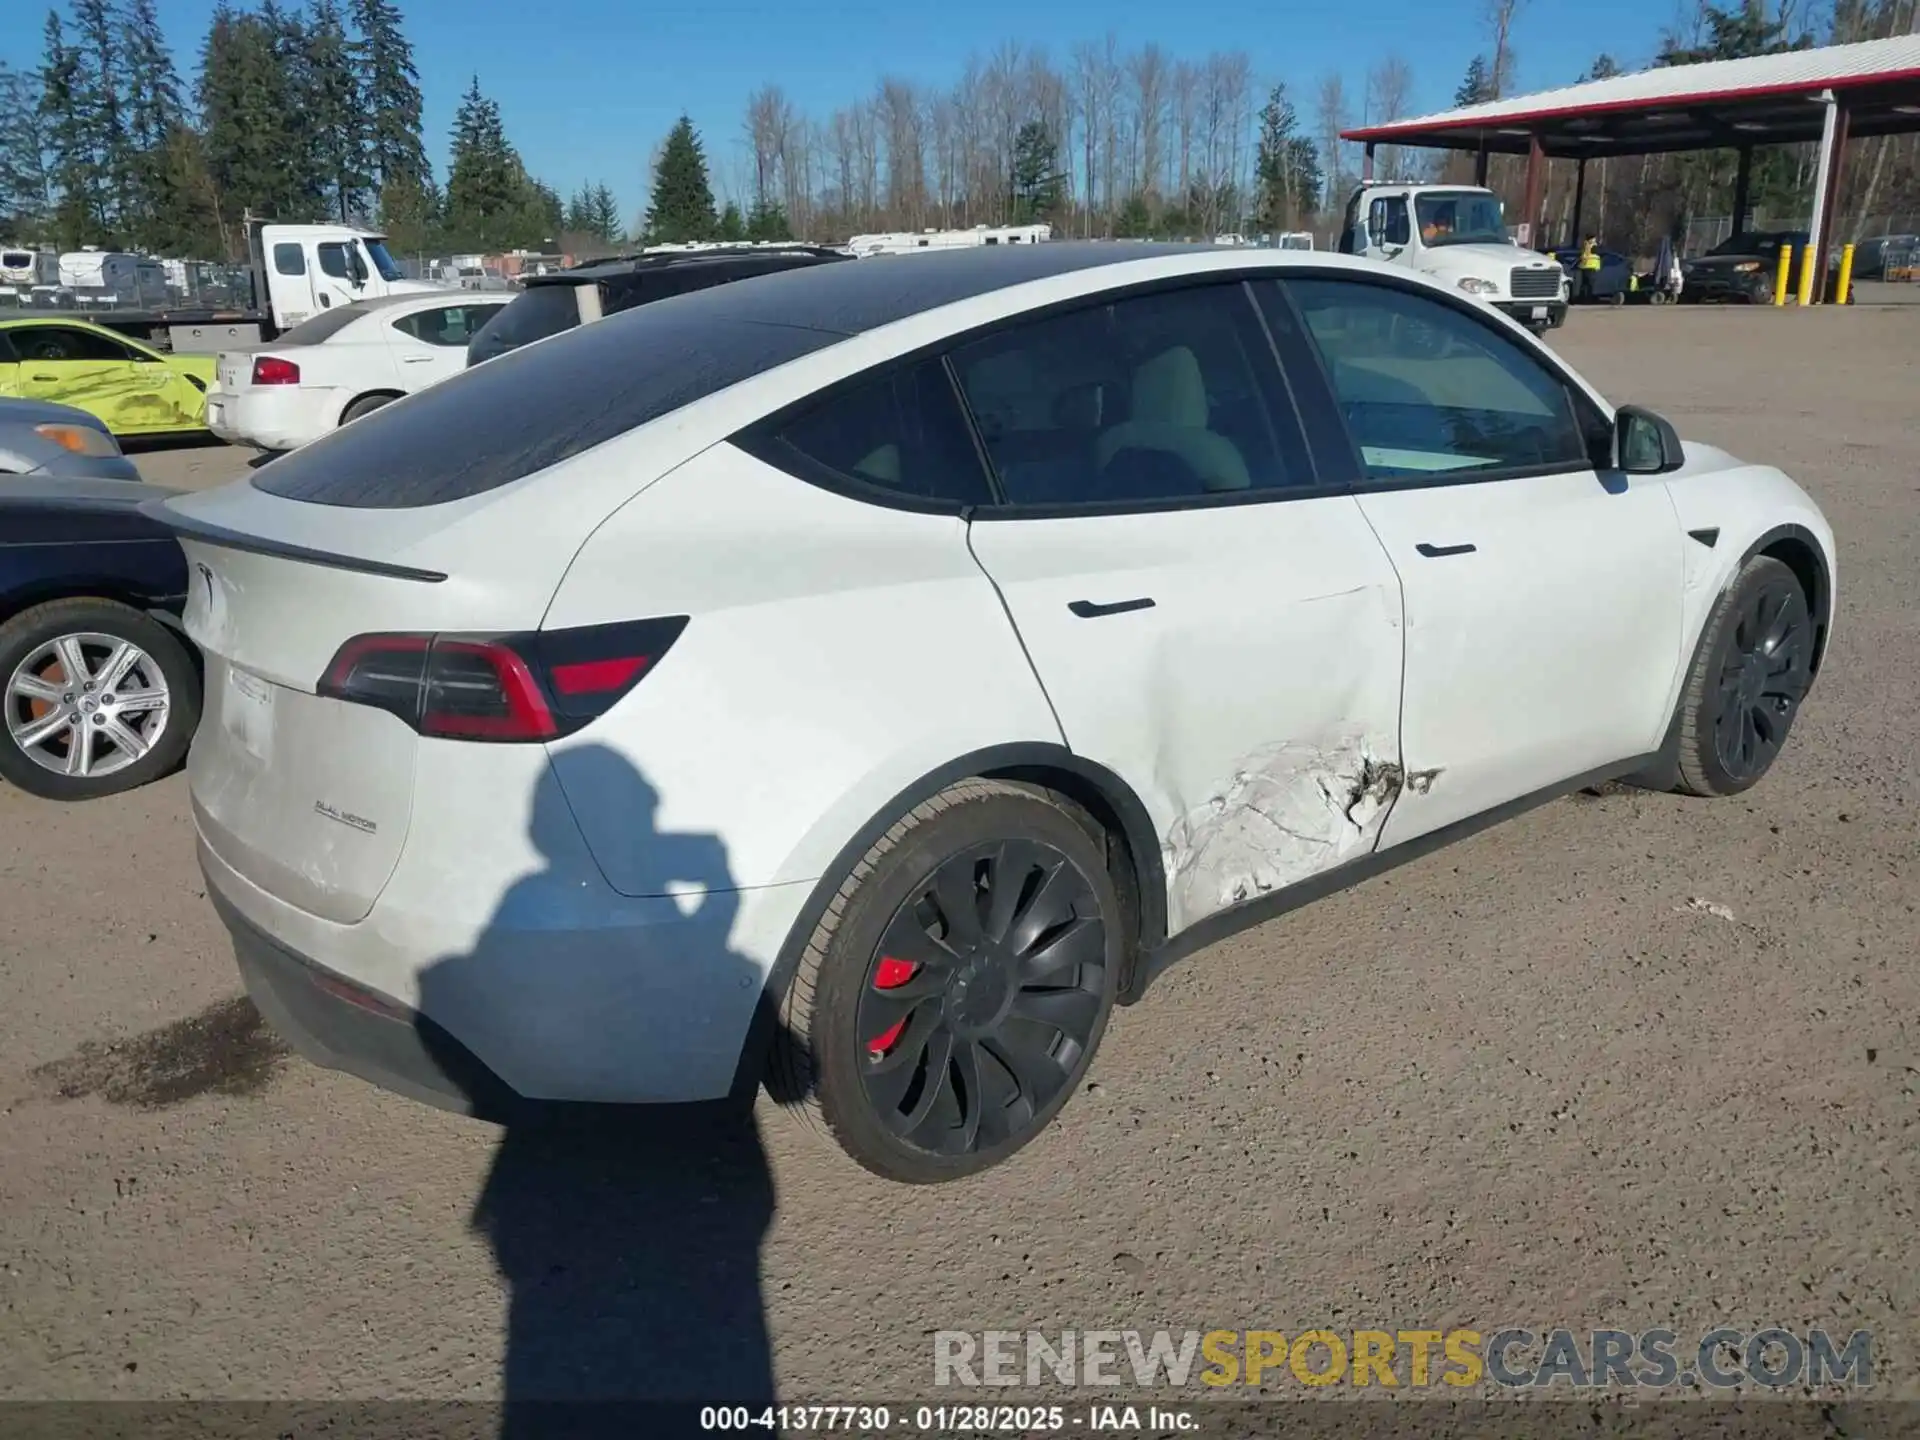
[87, 705]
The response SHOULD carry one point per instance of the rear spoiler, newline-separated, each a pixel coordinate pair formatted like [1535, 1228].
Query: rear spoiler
[200, 531]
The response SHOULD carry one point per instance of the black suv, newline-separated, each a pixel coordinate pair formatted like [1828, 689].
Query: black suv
[599, 288]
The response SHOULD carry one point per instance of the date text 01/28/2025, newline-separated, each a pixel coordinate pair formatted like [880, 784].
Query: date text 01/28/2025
[944, 1419]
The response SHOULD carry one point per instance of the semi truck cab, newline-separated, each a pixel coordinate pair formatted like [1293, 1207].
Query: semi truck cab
[1458, 234]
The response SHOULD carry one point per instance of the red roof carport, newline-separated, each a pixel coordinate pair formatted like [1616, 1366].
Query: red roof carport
[1828, 95]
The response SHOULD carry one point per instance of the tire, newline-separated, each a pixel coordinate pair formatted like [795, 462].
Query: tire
[1752, 670]
[906, 1050]
[365, 405]
[36, 650]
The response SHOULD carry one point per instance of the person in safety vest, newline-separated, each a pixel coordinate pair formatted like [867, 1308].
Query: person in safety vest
[1589, 266]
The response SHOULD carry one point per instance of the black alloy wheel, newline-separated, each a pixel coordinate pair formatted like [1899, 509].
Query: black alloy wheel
[1763, 677]
[953, 992]
[985, 992]
[1754, 669]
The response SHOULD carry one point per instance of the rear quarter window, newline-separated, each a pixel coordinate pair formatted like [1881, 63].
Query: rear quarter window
[536, 313]
[496, 423]
[326, 323]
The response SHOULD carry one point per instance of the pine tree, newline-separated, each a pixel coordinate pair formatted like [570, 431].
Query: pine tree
[1037, 183]
[158, 215]
[66, 126]
[336, 113]
[767, 220]
[252, 154]
[1604, 67]
[482, 183]
[733, 225]
[1276, 204]
[1477, 87]
[577, 221]
[102, 100]
[681, 207]
[26, 182]
[390, 89]
[410, 215]
[603, 213]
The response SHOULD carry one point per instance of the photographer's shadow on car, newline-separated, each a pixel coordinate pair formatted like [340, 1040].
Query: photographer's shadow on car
[628, 1236]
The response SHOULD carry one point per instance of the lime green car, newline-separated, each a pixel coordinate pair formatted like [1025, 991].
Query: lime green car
[135, 390]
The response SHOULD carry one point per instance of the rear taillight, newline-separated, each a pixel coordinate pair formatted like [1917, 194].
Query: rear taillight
[272, 370]
[536, 686]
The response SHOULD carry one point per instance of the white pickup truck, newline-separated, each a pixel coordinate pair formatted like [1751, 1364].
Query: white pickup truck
[1456, 233]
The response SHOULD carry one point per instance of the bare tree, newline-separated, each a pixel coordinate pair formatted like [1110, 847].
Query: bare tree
[1186, 122]
[1389, 88]
[1148, 72]
[768, 116]
[1500, 15]
[1332, 115]
[898, 108]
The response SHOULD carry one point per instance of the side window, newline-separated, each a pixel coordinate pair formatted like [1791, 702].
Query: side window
[56, 342]
[449, 325]
[1387, 221]
[289, 260]
[1155, 398]
[333, 260]
[1425, 388]
[903, 431]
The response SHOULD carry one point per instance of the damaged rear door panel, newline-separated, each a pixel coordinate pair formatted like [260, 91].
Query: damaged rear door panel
[1254, 707]
[1237, 664]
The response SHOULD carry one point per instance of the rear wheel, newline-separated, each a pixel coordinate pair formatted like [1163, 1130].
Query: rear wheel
[1754, 668]
[98, 698]
[365, 405]
[952, 997]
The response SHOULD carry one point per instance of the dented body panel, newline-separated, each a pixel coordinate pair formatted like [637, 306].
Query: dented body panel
[1245, 704]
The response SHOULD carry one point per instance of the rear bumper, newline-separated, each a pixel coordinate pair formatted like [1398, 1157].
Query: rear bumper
[493, 976]
[343, 1026]
[271, 418]
[1550, 313]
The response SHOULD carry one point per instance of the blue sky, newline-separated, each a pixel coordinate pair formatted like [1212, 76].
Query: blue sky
[588, 87]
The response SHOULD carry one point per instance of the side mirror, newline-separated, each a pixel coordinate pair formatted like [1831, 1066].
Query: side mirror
[1644, 443]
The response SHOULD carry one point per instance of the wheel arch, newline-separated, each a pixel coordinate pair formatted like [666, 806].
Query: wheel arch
[1133, 862]
[120, 592]
[1799, 549]
[379, 392]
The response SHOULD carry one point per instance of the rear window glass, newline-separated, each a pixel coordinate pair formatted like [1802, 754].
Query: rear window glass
[496, 423]
[312, 332]
[539, 311]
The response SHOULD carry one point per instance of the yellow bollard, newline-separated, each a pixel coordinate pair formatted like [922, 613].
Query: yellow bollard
[1806, 274]
[1845, 287]
[1780, 278]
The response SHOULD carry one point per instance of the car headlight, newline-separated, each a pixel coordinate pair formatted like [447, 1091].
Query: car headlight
[80, 439]
[1474, 285]
[1748, 265]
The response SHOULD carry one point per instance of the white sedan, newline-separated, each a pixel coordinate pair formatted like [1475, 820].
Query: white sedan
[875, 672]
[340, 365]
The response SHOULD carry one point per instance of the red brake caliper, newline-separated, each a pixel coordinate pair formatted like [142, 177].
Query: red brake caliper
[890, 974]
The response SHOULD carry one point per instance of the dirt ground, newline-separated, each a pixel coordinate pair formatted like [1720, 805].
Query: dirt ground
[1527, 1081]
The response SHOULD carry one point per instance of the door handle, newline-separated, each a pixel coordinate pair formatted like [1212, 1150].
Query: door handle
[48, 378]
[1088, 610]
[416, 359]
[1434, 552]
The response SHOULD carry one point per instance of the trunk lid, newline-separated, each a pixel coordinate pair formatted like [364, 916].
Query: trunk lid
[306, 796]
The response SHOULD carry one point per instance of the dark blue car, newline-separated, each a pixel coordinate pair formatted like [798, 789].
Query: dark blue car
[1611, 284]
[99, 688]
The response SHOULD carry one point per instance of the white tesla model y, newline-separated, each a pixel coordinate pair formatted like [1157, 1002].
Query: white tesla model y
[861, 678]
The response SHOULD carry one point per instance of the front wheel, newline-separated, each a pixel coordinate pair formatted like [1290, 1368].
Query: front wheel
[98, 698]
[951, 999]
[1753, 669]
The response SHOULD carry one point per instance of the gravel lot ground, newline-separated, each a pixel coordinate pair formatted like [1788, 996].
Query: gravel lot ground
[1519, 1082]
